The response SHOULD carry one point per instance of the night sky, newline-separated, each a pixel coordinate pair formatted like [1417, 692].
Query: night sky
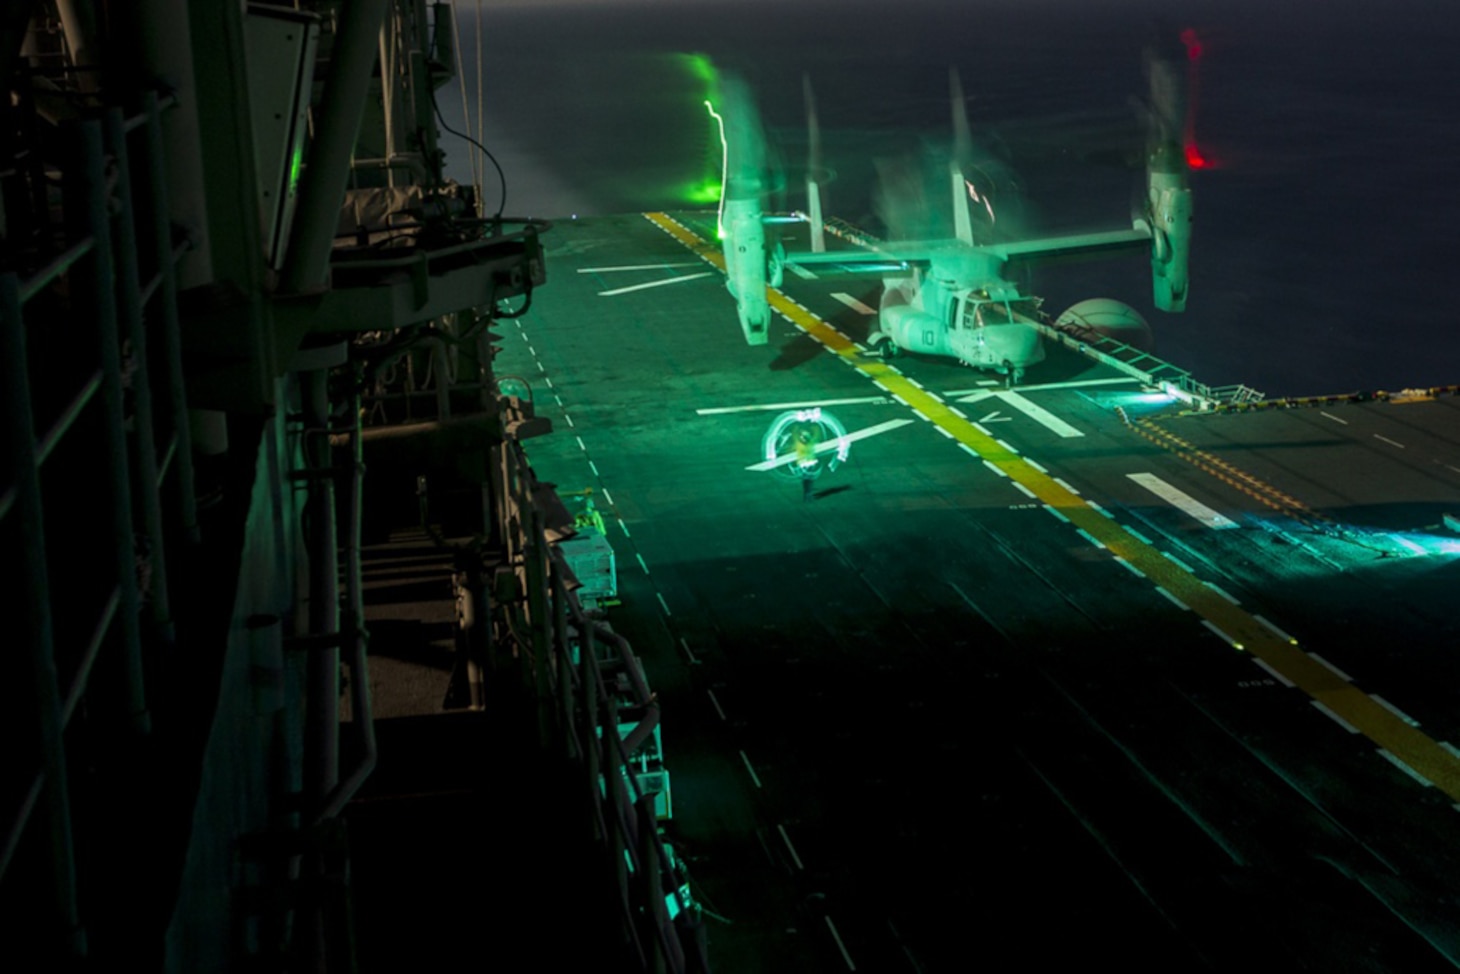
[1324, 233]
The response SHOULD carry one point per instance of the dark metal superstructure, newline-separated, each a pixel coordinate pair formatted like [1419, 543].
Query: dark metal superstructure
[232, 276]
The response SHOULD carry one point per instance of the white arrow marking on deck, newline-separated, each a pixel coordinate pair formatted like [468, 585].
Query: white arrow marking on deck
[1183, 501]
[854, 304]
[826, 446]
[649, 284]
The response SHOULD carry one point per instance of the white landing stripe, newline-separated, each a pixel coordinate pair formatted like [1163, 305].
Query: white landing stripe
[639, 267]
[1100, 510]
[804, 273]
[854, 304]
[607, 496]
[1454, 751]
[569, 419]
[1174, 600]
[1036, 465]
[717, 410]
[625, 525]
[648, 284]
[718, 709]
[594, 467]
[1007, 447]
[1130, 380]
[1129, 567]
[839, 945]
[1334, 717]
[1056, 513]
[1090, 537]
[1389, 441]
[1179, 563]
[1273, 673]
[1183, 501]
[642, 563]
[1039, 414]
[753, 776]
[973, 453]
[827, 446]
[581, 445]
[1394, 710]
[663, 604]
[1140, 537]
[691, 654]
[1343, 422]
[1223, 593]
[1071, 488]
[1406, 768]
[1331, 668]
[1273, 626]
[988, 463]
[1213, 627]
[1022, 489]
[945, 432]
[790, 848]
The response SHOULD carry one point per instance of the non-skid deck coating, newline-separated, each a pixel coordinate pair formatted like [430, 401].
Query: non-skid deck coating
[1018, 682]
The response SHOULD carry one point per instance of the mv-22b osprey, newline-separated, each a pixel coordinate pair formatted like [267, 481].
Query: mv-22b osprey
[950, 296]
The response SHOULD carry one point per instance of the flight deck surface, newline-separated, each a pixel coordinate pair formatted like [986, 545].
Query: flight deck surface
[1027, 676]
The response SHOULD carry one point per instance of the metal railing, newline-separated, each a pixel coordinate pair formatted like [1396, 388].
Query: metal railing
[112, 405]
[571, 662]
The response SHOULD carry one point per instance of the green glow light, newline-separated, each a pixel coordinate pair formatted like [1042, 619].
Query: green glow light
[700, 67]
[296, 163]
[703, 193]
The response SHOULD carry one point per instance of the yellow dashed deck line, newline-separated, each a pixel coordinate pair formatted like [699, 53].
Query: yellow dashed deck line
[1410, 745]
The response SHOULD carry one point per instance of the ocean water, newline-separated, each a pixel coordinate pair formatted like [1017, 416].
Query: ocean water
[1327, 233]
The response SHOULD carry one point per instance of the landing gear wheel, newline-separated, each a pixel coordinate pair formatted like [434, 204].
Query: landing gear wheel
[1012, 376]
[883, 346]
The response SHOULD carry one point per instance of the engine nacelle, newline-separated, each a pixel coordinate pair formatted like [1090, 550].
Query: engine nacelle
[743, 243]
[914, 329]
[1170, 213]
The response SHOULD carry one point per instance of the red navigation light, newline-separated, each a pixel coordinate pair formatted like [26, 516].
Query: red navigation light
[1193, 44]
[1194, 157]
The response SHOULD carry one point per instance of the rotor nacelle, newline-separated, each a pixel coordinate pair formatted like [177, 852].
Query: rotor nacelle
[1170, 206]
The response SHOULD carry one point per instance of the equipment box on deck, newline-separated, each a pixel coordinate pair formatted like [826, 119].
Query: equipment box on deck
[590, 557]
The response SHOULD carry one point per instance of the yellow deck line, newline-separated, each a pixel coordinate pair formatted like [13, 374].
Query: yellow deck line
[1415, 748]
